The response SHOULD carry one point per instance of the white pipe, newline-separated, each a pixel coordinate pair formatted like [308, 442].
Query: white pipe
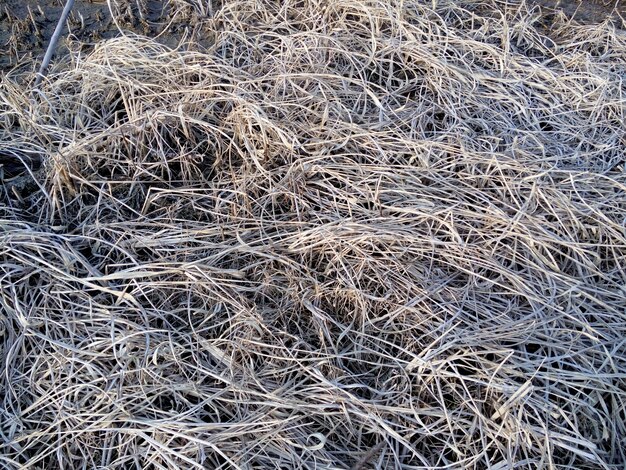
[53, 41]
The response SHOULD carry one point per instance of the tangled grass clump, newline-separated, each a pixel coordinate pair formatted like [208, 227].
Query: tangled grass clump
[349, 234]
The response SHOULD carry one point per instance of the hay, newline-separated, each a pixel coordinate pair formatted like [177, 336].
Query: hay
[349, 234]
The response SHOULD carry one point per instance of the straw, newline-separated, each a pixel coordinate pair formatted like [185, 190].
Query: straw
[349, 234]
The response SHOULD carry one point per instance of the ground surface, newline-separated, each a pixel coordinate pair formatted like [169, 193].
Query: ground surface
[349, 234]
[588, 11]
[26, 26]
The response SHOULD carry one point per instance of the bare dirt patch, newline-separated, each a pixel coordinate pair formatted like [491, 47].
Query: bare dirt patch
[26, 26]
[588, 11]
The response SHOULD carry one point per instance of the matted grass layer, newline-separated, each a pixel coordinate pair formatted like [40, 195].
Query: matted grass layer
[350, 234]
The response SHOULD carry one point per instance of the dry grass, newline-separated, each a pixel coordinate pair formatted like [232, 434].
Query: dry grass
[350, 234]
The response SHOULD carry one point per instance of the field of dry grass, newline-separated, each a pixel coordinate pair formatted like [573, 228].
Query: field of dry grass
[344, 235]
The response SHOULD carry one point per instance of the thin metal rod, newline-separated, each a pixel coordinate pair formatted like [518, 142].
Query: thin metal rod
[53, 41]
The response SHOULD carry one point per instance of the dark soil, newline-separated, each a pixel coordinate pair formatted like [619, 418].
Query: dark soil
[588, 11]
[26, 25]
